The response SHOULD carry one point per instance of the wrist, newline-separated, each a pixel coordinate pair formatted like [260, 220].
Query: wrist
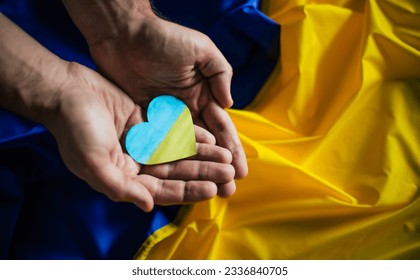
[100, 20]
[37, 95]
[30, 75]
[46, 95]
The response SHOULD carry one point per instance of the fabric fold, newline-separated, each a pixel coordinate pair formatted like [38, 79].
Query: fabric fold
[332, 141]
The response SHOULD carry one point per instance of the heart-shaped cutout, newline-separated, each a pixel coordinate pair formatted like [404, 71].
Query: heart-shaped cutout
[168, 134]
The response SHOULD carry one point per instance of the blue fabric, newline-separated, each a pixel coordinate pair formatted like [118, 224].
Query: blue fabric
[248, 39]
[48, 213]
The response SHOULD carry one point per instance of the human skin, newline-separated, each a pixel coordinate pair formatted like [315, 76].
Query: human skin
[148, 56]
[89, 116]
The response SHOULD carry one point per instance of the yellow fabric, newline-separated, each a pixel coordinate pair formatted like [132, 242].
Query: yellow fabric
[333, 144]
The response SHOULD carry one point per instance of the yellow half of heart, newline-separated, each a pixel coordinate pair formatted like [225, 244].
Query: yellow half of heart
[178, 143]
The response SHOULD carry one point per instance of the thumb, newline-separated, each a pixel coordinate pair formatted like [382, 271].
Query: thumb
[219, 74]
[111, 181]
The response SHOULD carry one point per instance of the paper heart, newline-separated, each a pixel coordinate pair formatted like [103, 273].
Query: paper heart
[167, 135]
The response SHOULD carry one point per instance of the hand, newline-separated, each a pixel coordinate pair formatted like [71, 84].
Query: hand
[92, 118]
[159, 57]
[89, 117]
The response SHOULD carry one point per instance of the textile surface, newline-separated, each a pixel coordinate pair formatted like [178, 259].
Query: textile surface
[48, 213]
[332, 141]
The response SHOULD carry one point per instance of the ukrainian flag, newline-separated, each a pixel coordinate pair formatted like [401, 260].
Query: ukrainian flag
[332, 141]
[48, 213]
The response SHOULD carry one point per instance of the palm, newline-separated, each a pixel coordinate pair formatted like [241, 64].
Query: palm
[93, 119]
[167, 58]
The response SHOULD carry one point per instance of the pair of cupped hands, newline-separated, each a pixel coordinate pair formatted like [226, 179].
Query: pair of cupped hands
[96, 110]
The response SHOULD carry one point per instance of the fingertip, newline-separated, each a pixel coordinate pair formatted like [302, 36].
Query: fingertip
[144, 202]
[140, 196]
[229, 173]
[240, 163]
[204, 136]
[220, 85]
[226, 156]
[145, 206]
[226, 190]
[201, 190]
[212, 191]
[229, 101]
[224, 99]
[241, 171]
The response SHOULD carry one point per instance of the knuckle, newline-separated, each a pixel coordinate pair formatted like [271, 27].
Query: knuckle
[220, 125]
[187, 191]
[203, 171]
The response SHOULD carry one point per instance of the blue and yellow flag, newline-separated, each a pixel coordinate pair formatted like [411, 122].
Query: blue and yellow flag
[46, 212]
[332, 141]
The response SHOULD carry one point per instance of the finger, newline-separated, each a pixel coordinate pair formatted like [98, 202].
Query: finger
[220, 88]
[227, 189]
[200, 123]
[218, 72]
[222, 127]
[134, 118]
[167, 192]
[203, 136]
[110, 181]
[192, 170]
[209, 152]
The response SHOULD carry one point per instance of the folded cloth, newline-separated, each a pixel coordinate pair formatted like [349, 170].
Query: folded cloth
[332, 141]
[48, 213]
